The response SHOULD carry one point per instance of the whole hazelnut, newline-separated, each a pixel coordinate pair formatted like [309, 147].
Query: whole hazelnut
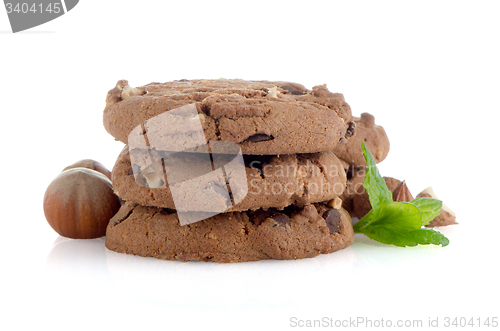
[79, 203]
[90, 164]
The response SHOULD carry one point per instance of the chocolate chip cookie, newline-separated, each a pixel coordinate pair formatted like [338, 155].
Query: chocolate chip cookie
[295, 233]
[271, 181]
[354, 187]
[263, 117]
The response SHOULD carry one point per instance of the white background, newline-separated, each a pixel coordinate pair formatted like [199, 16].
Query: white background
[428, 70]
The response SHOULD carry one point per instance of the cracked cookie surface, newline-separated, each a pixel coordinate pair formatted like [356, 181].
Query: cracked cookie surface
[262, 117]
[272, 181]
[294, 233]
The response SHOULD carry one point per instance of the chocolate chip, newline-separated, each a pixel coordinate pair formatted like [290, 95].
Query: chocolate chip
[350, 172]
[184, 80]
[257, 161]
[292, 90]
[259, 137]
[351, 130]
[281, 220]
[332, 218]
[288, 88]
[259, 216]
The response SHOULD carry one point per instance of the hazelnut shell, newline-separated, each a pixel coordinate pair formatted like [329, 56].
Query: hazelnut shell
[90, 164]
[79, 203]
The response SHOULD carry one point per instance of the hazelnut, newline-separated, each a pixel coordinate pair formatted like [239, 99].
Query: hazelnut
[79, 203]
[90, 164]
[447, 216]
[401, 193]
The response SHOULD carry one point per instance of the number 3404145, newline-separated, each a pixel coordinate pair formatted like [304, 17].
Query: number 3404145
[25, 8]
[471, 322]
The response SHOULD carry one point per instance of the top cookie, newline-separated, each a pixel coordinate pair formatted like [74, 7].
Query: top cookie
[262, 117]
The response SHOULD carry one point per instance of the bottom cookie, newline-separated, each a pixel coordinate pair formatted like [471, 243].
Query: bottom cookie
[292, 233]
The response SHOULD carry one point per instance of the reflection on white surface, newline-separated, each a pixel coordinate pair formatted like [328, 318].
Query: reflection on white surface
[203, 283]
[77, 255]
[254, 285]
[78, 261]
[90, 258]
[198, 284]
[366, 279]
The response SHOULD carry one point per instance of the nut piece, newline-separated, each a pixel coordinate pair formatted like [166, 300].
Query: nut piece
[152, 178]
[447, 216]
[90, 164]
[273, 92]
[335, 203]
[122, 91]
[402, 193]
[199, 117]
[79, 203]
[128, 92]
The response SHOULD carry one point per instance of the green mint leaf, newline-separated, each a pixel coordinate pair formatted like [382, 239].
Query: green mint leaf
[403, 239]
[430, 208]
[389, 215]
[396, 223]
[362, 223]
[374, 183]
[398, 217]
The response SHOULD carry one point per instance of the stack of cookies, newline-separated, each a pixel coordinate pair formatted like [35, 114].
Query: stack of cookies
[232, 170]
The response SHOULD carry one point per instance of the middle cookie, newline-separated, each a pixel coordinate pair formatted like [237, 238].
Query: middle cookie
[264, 181]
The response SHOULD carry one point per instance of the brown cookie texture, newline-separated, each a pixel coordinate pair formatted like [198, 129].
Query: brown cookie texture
[355, 177]
[372, 135]
[296, 233]
[272, 181]
[263, 117]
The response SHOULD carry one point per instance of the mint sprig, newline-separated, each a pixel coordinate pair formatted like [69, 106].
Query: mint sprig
[396, 223]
